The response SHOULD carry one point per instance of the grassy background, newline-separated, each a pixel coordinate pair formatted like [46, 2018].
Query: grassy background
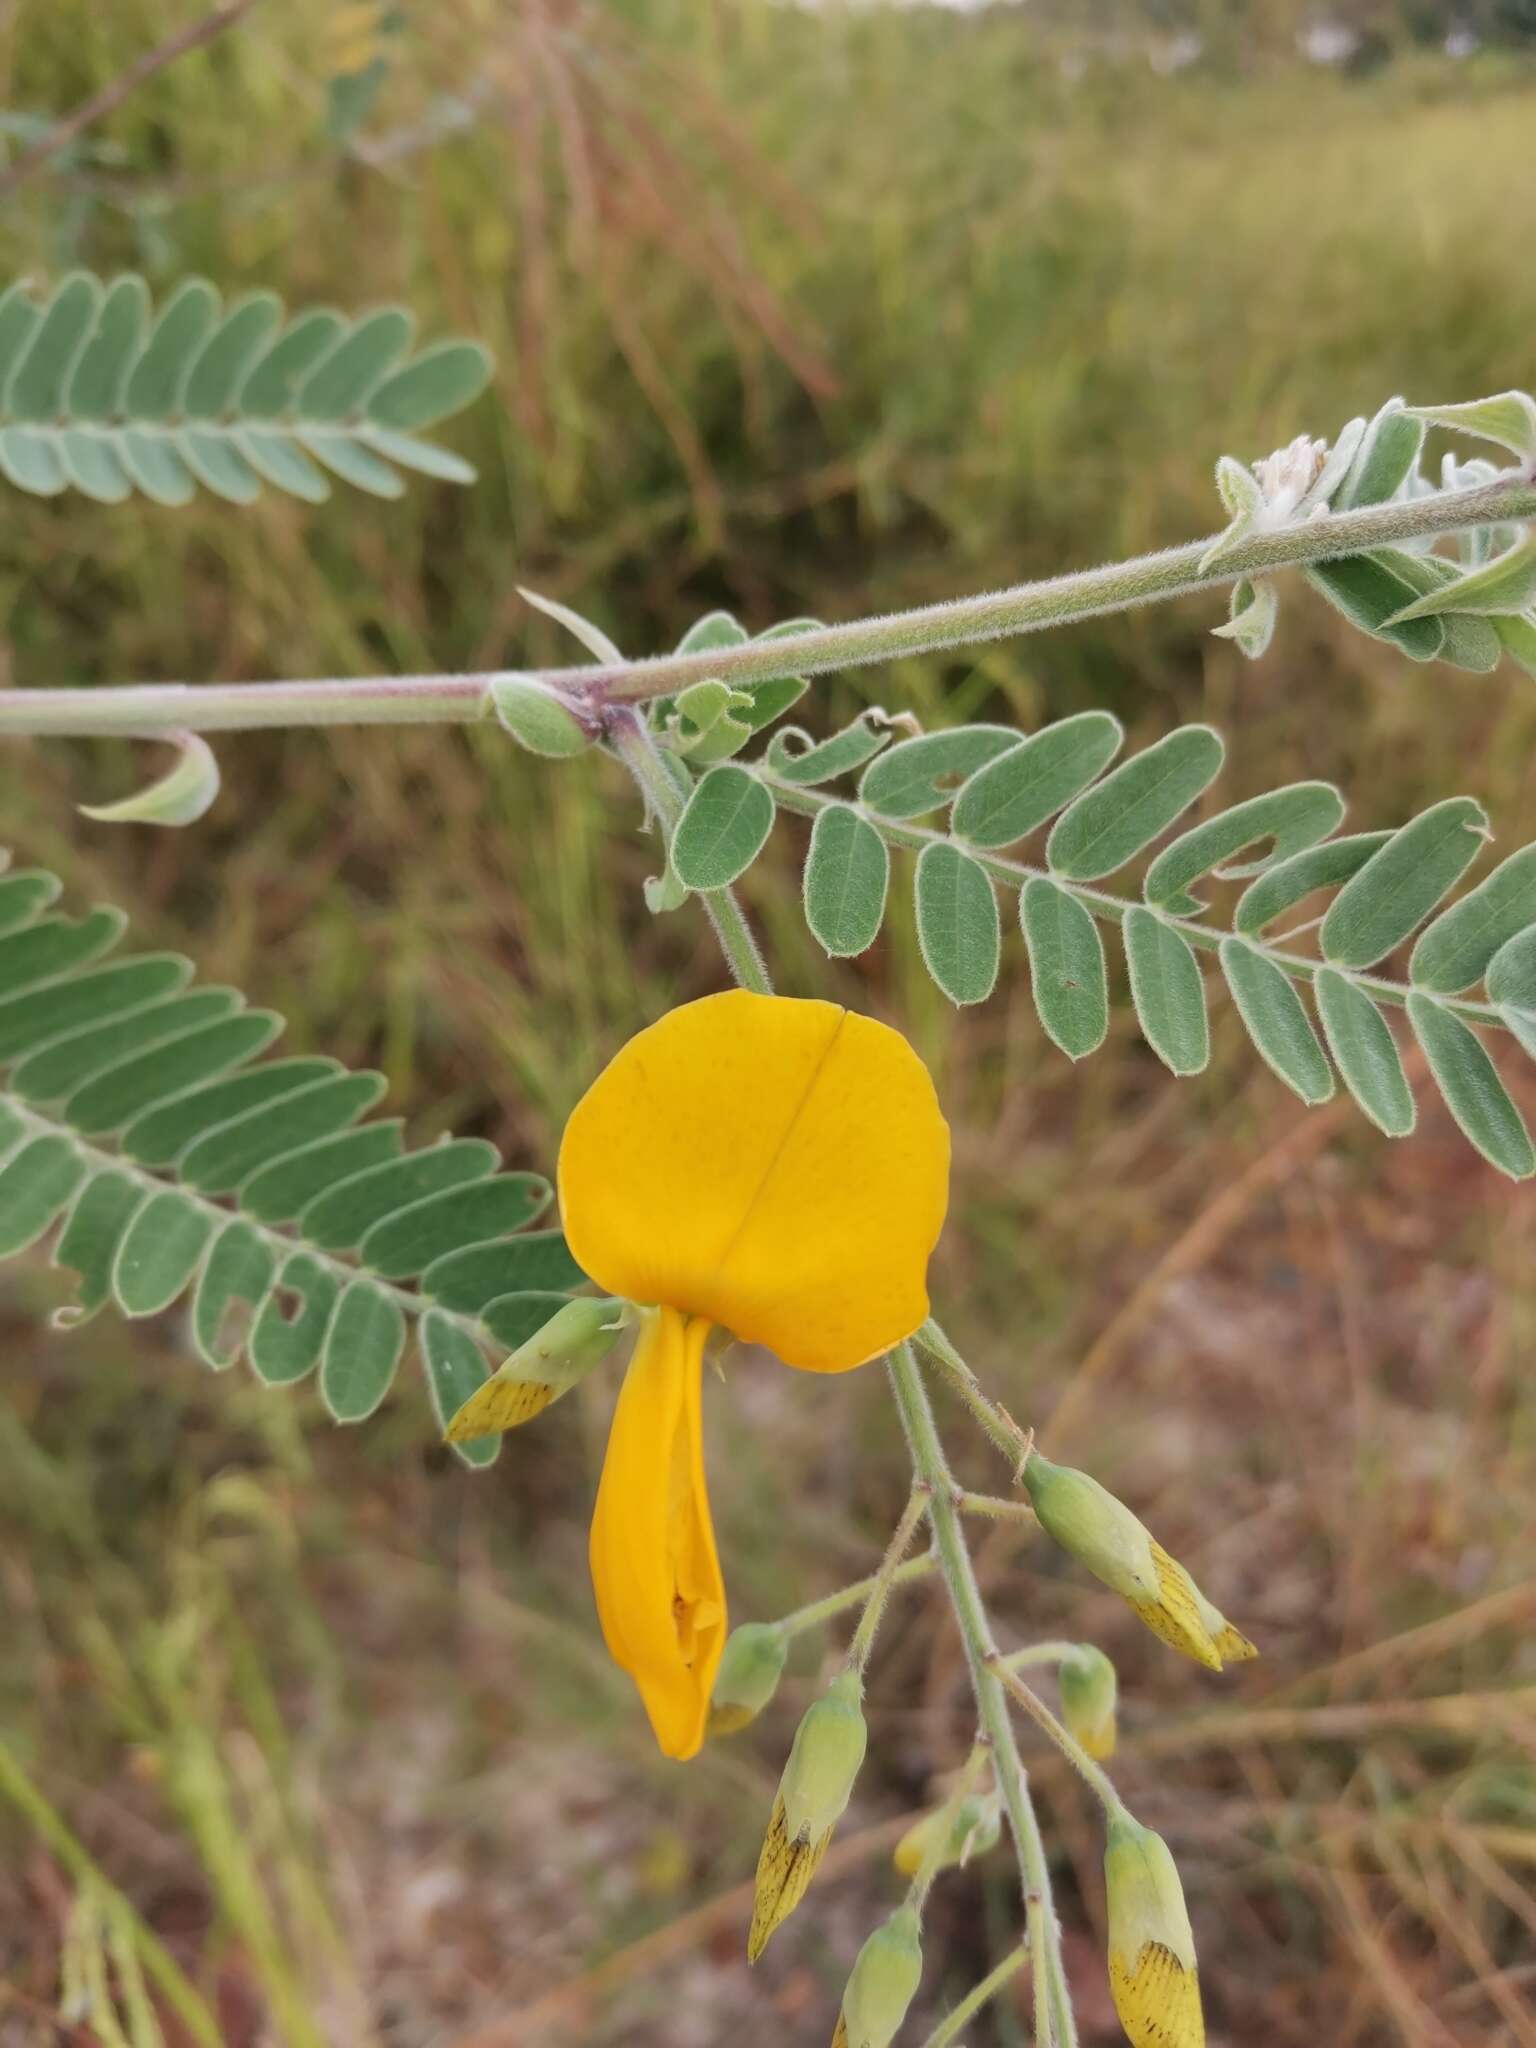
[798, 316]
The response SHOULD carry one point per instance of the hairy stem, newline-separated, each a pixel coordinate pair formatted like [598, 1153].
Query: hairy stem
[144, 710]
[1054, 2027]
[949, 2028]
[1069, 1746]
[1014, 1443]
[815, 1612]
[884, 1578]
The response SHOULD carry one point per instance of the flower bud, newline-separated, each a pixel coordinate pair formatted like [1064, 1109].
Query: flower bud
[1152, 1972]
[1098, 1530]
[1087, 1681]
[1103, 1534]
[816, 1786]
[575, 1339]
[751, 1665]
[882, 1984]
[952, 1835]
[537, 718]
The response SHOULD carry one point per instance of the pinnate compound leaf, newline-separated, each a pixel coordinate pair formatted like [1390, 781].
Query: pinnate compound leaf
[958, 927]
[138, 1118]
[97, 396]
[1112, 822]
[1402, 882]
[1365, 1052]
[1066, 964]
[1277, 1021]
[723, 829]
[847, 873]
[1281, 887]
[1470, 1084]
[1168, 990]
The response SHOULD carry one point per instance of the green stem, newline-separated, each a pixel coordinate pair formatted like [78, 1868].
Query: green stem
[937, 1853]
[144, 710]
[994, 1507]
[847, 1597]
[179, 1994]
[1069, 1746]
[631, 740]
[1054, 2027]
[949, 2028]
[884, 1578]
[1014, 1443]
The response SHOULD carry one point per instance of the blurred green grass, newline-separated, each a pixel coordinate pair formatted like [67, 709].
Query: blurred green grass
[793, 315]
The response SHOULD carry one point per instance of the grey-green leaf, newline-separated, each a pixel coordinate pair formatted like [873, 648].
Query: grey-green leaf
[1507, 584]
[91, 1235]
[161, 1250]
[282, 1189]
[1388, 452]
[1365, 1052]
[1277, 1022]
[343, 1215]
[229, 353]
[1295, 818]
[922, 774]
[456, 1369]
[267, 391]
[101, 372]
[362, 1349]
[409, 1241]
[723, 829]
[535, 1260]
[35, 1183]
[1168, 991]
[1473, 1092]
[1402, 882]
[957, 922]
[1013, 794]
[41, 377]
[291, 1323]
[235, 1277]
[1066, 964]
[847, 872]
[1368, 593]
[158, 378]
[795, 757]
[1454, 952]
[344, 379]
[1113, 821]
[1281, 887]
[231, 1152]
[441, 380]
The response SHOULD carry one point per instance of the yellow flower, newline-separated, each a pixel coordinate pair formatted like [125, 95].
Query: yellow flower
[1153, 1977]
[775, 1167]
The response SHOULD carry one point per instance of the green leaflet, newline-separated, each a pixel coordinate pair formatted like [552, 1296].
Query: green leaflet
[1295, 818]
[1066, 964]
[1365, 1052]
[1402, 882]
[1454, 952]
[1281, 887]
[793, 756]
[723, 829]
[98, 396]
[920, 775]
[1368, 593]
[1277, 1022]
[1168, 990]
[363, 1343]
[847, 872]
[1388, 452]
[957, 922]
[1473, 1092]
[1507, 584]
[160, 1251]
[1508, 419]
[455, 1368]
[1125, 812]
[1022, 787]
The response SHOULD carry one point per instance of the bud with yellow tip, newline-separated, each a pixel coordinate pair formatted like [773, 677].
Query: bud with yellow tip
[1088, 1690]
[951, 1834]
[553, 1360]
[815, 1788]
[751, 1665]
[882, 1984]
[1153, 1977]
[1103, 1534]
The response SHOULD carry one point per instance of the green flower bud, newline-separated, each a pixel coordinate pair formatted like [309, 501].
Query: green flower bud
[751, 1665]
[825, 1758]
[953, 1837]
[816, 1786]
[1153, 1977]
[552, 1361]
[1098, 1530]
[1088, 1689]
[538, 718]
[882, 1984]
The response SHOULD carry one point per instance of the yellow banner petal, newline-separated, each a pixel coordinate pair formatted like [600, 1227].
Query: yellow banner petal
[777, 1166]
